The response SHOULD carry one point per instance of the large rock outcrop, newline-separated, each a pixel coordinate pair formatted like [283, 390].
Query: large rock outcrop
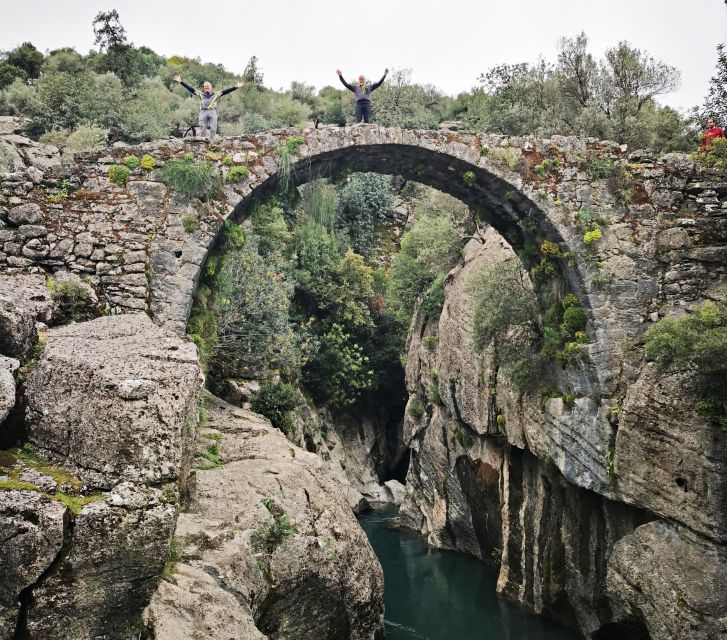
[88, 506]
[605, 513]
[268, 546]
[140, 379]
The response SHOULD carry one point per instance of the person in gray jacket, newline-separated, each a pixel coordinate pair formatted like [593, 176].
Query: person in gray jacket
[363, 94]
[208, 104]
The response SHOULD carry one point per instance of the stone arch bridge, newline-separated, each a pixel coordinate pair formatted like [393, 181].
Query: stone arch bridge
[662, 222]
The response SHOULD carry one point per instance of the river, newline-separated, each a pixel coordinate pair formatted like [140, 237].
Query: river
[441, 595]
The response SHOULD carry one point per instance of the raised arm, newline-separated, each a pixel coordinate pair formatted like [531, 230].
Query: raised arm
[376, 85]
[239, 85]
[178, 80]
[343, 82]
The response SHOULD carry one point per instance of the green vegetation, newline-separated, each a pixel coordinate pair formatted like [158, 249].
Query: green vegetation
[190, 222]
[590, 237]
[469, 178]
[715, 154]
[192, 179]
[548, 167]
[131, 162]
[271, 535]
[416, 409]
[276, 401]
[696, 343]
[118, 175]
[73, 301]
[237, 174]
[175, 555]
[148, 162]
[68, 489]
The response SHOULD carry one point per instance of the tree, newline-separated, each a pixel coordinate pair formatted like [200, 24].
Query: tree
[108, 31]
[363, 201]
[506, 318]
[252, 73]
[27, 58]
[251, 305]
[8, 74]
[715, 102]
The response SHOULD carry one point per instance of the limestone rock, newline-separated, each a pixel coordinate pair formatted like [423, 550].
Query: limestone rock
[8, 366]
[31, 533]
[116, 551]
[671, 579]
[321, 579]
[128, 373]
[17, 329]
[668, 457]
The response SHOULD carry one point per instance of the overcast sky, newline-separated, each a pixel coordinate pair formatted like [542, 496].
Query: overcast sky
[445, 43]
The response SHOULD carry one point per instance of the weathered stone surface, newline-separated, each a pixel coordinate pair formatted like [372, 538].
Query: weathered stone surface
[321, 581]
[672, 580]
[668, 457]
[17, 329]
[115, 554]
[26, 214]
[31, 537]
[8, 367]
[123, 371]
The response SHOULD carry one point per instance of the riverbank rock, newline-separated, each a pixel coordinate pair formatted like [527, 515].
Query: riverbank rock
[141, 380]
[88, 506]
[268, 545]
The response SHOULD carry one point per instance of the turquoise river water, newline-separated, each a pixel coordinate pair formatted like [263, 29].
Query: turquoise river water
[440, 595]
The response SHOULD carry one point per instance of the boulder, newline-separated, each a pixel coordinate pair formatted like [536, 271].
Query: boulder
[116, 550]
[17, 329]
[141, 379]
[267, 523]
[8, 367]
[52, 299]
[31, 536]
[672, 580]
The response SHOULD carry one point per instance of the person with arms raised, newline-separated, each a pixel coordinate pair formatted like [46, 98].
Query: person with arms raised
[208, 100]
[363, 91]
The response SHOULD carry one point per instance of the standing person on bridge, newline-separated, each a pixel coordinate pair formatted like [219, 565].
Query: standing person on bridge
[208, 104]
[363, 95]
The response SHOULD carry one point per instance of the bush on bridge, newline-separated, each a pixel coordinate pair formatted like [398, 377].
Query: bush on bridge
[192, 179]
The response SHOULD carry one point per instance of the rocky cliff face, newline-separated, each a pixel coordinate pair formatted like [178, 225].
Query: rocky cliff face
[268, 545]
[89, 504]
[624, 541]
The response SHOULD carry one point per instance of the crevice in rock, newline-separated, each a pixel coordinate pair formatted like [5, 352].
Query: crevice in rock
[25, 598]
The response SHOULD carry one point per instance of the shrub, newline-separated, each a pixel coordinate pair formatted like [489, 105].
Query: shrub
[148, 162]
[131, 162]
[275, 400]
[598, 166]
[570, 354]
[293, 142]
[118, 174]
[431, 342]
[227, 161]
[621, 183]
[547, 167]
[507, 318]
[550, 249]
[590, 237]
[237, 174]
[86, 138]
[191, 179]
[469, 178]
[715, 155]
[574, 320]
[416, 409]
[73, 302]
[190, 222]
[269, 536]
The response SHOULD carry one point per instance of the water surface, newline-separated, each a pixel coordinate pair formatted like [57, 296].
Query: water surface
[440, 595]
